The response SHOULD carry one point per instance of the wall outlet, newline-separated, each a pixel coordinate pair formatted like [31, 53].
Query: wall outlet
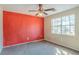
[28, 38]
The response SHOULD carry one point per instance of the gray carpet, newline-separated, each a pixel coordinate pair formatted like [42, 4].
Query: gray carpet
[38, 48]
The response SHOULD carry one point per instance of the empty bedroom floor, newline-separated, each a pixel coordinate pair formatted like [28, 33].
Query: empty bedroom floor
[38, 48]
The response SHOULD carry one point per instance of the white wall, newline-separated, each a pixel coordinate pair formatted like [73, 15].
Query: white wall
[64, 40]
[1, 28]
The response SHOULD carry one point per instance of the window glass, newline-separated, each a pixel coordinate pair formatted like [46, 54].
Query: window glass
[63, 20]
[55, 29]
[58, 21]
[72, 21]
[67, 20]
[59, 29]
[63, 29]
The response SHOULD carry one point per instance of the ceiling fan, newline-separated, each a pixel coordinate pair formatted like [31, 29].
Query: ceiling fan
[41, 11]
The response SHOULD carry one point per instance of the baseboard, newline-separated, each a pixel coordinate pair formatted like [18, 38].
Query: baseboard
[22, 43]
[62, 46]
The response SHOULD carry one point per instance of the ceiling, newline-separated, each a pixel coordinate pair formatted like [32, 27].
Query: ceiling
[23, 8]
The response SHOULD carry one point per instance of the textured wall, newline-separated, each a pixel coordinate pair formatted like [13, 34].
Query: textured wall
[21, 28]
[64, 40]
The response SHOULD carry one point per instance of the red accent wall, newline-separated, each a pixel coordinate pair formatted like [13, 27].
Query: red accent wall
[20, 28]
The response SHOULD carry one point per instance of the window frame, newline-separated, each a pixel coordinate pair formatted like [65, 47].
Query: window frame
[61, 25]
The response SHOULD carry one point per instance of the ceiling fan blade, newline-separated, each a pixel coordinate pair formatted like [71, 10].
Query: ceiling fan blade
[36, 14]
[51, 9]
[45, 13]
[32, 10]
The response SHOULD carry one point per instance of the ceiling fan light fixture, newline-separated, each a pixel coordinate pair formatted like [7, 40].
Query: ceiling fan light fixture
[39, 14]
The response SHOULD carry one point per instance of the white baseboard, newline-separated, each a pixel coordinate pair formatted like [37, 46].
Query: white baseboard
[22, 43]
[62, 45]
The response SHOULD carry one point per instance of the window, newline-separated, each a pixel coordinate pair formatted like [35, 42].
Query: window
[64, 25]
[56, 24]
